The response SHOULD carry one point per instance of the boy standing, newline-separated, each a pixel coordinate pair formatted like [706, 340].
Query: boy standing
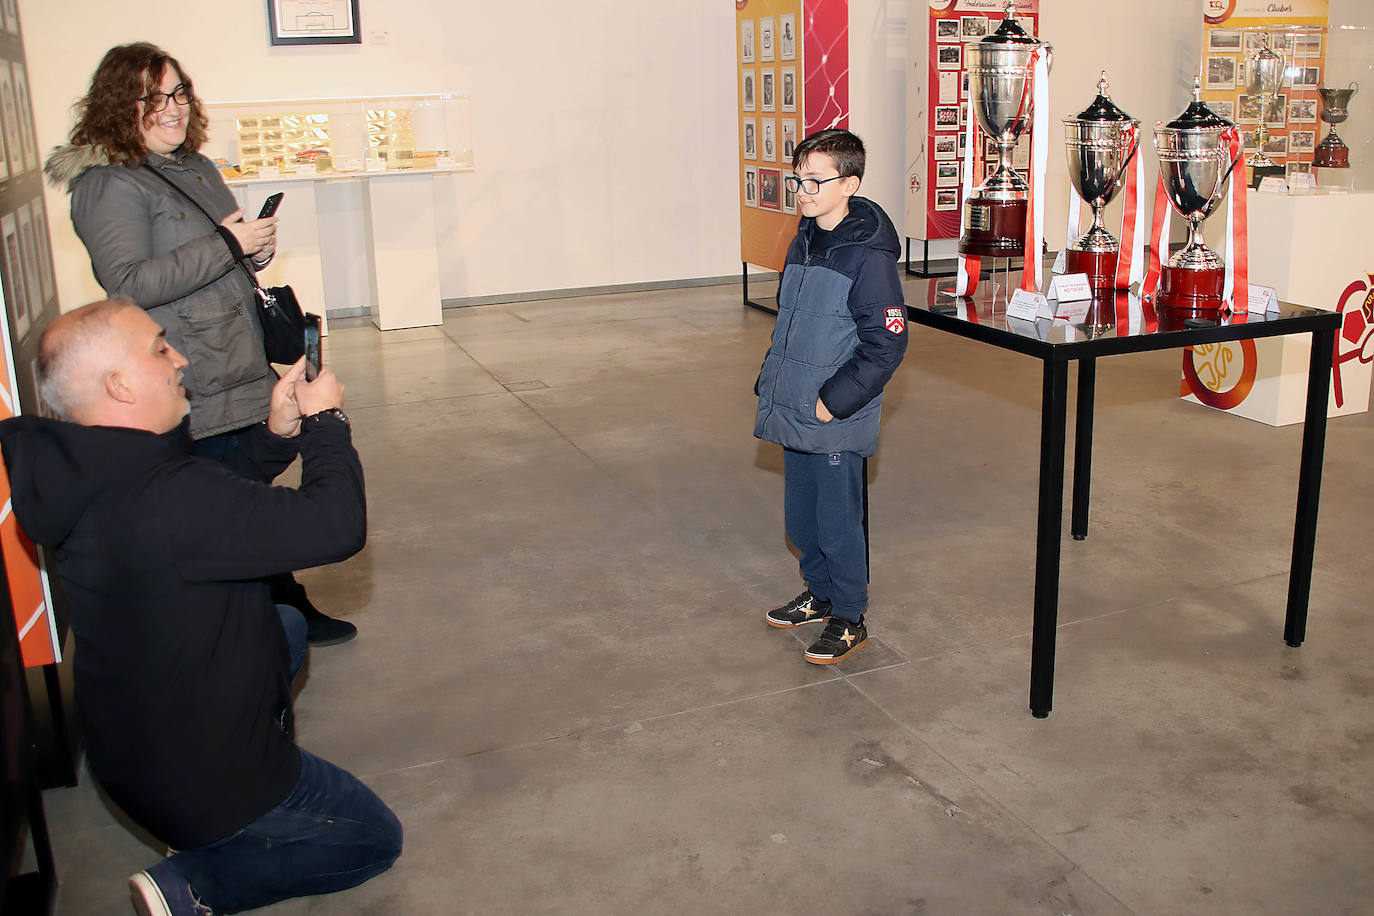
[840, 334]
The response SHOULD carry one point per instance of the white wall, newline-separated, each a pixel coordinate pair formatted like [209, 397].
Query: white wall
[603, 131]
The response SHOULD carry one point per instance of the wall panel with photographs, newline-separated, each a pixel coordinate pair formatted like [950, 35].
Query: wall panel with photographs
[938, 108]
[1298, 33]
[779, 103]
[29, 288]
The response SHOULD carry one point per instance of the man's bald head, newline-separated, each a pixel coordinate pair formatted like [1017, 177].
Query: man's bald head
[76, 352]
[109, 364]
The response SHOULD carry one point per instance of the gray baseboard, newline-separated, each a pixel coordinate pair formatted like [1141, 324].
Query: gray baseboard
[572, 292]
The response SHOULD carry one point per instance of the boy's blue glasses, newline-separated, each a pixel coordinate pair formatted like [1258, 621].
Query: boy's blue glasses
[809, 185]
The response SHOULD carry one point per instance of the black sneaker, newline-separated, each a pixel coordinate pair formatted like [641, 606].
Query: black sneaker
[841, 638]
[805, 608]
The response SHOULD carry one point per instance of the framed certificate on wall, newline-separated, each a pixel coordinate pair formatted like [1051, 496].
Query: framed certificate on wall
[313, 22]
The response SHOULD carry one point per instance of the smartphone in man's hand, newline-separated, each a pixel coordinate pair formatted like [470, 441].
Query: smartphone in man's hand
[312, 346]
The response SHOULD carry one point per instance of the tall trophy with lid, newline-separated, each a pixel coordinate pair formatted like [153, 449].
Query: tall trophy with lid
[1001, 83]
[1195, 164]
[1263, 77]
[1100, 142]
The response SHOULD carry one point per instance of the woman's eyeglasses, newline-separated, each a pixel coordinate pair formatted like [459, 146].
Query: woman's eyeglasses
[157, 101]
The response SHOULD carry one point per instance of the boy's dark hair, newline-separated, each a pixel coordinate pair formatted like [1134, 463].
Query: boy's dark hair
[845, 148]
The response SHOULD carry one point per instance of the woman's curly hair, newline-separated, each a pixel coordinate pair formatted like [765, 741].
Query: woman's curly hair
[108, 115]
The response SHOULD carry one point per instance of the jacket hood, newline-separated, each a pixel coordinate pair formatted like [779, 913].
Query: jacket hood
[58, 469]
[68, 163]
[866, 224]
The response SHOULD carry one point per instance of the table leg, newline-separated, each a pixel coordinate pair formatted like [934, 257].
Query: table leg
[1049, 528]
[1083, 446]
[1309, 486]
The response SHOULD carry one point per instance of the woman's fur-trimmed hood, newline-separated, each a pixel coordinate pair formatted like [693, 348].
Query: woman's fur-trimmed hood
[68, 163]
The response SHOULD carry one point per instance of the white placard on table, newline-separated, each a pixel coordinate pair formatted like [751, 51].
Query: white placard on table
[1061, 261]
[1073, 309]
[1071, 288]
[1273, 184]
[307, 170]
[1028, 306]
[1263, 299]
[269, 172]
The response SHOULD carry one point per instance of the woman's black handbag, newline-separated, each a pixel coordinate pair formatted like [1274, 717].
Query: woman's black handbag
[283, 322]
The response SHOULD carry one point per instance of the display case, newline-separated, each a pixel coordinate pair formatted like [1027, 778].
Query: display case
[304, 138]
[1324, 67]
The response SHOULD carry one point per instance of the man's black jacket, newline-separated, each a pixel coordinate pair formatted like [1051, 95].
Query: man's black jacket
[180, 661]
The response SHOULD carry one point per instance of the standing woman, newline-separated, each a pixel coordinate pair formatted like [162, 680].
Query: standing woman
[132, 164]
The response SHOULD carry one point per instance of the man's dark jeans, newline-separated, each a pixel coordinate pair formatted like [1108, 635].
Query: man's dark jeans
[331, 832]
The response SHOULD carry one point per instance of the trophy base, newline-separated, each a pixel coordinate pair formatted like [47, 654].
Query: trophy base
[1331, 157]
[1100, 266]
[1195, 290]
[995, 228]
[1261, 172]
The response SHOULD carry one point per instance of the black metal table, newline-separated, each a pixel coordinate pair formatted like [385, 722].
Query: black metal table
[1127, 325]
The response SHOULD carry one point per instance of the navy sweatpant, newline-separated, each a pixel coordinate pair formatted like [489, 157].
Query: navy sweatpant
[823, 506]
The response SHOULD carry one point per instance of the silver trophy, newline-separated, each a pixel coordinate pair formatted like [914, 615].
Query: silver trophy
[1001, 86]
[1099, 147]
[1195, 164]
[1332, 153]
[1263, 77]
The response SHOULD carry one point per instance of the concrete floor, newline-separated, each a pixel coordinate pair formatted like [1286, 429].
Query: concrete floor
[564, 686]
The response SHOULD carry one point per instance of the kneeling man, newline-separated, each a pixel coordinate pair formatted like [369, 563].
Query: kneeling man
[182, 665]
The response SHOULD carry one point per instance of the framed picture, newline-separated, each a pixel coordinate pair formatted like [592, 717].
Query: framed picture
[946, 174]
[787, 37]
[770, 139]
[766, 48]
[313, 22]
[789, 88]
[1221, 73]
[11, 11]
[1223, 40]
[1247, 109]
[1277, 116]
[29, 252]
[789, 138]
[972, 27]
[1020, 157]
[44, 252]
[17, 298]
[1302, 141]
[1249, 141]
[1303, 111]
[751, 186]
[949, 57]
[949, 89]
[1307, 76]
[946, 117]
[1226, 109]
[767, 90]
[963, 88]
[23, 112]
[746, 88]
[946, 199]
[746, 41]
[1253, 41]
[1307, 44]
[770, 189]
[789, 198]
[945, 147]
[750, 136]
[9, 113]
[946, 29]
[1277, 146]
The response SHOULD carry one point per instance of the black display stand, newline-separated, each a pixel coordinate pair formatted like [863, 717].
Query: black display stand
[767, 304]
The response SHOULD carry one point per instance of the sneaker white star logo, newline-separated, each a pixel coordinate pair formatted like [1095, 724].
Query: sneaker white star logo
[809, 610]
[848, 638]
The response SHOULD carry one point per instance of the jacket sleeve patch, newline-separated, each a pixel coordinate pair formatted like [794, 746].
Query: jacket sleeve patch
[894, 319]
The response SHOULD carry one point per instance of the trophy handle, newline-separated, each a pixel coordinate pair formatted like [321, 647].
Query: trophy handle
[1135, 148]
[1354, 87]
[1049, 57]
[1240, 157]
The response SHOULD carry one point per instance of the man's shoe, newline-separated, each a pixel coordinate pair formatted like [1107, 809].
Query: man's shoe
[162, 891]
[840, 638]
[805, 608]
[323, 630]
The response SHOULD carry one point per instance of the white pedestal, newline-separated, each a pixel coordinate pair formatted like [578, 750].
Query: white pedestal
[398, 216]
[297, 263]
[1313, 250]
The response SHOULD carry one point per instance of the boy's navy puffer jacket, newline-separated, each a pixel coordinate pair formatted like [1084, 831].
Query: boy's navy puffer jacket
[840, 334]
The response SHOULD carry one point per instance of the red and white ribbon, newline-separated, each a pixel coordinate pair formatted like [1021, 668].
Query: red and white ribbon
[1033, 265]
[1159, 239]
[1130, 264]
[969, 267]
[1237, 286]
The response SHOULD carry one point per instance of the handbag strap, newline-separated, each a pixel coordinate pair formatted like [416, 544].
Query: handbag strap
[267, 297]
